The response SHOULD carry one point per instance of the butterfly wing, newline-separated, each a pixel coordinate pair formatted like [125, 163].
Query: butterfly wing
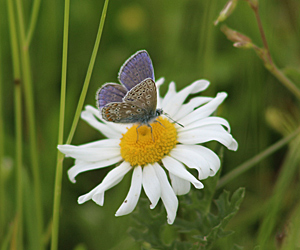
[120, 112]
[110, 92]
[143, 95]
[136, 69]
[138, 106]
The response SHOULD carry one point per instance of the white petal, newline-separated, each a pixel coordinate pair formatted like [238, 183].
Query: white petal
[98, 198]
[205, 110]
[171, 92]
[110, 180]
[151, 185]
[91, 154]
[192, 160]
[210, 156]
[211, 120]
[176, 168]
[190, 106]
[233, 145]
[208, 133]
[111, 130]
[104, 143]
[160, 82]
[134, 193]
[180, 186]
[172, 105]
[168, 196]
[206, 160]
[82, 166]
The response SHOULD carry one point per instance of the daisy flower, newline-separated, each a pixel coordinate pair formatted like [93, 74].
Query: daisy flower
[160, 162]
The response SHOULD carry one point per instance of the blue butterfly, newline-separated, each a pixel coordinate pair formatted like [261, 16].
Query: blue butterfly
[135, 100]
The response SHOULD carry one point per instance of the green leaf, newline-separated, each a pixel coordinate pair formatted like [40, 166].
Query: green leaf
[193, 228]
[149, 225]
[207, 228]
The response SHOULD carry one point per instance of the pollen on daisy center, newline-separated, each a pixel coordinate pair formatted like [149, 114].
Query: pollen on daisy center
[141, 149]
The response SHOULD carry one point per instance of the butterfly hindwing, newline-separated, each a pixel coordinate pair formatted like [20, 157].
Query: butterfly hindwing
[136, 69]
[110, 92]
[120, 112]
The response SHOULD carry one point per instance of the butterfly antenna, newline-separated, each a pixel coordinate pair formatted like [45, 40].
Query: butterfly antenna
[167, 115]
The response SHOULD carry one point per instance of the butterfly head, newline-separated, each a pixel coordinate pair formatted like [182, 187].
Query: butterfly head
[158, 112]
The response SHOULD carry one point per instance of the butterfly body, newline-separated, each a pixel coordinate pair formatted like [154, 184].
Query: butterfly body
[135, 100]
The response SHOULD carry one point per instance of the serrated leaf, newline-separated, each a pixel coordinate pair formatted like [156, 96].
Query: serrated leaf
[200, 229]
[210, 227]
[149, 225]
[227, 209]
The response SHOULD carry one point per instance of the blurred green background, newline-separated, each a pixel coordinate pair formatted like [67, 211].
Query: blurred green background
[184, 46]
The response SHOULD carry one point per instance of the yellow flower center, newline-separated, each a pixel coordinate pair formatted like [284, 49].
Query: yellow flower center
[139, 147]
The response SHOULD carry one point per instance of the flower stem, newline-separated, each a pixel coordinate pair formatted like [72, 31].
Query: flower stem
[88, 74]
[261, 31]
[29, 104]
[275, 208]
[286, 81]
[59, 163]
[2, 180]
[33, 22]
[253, 161]
[267, 58]
[19, 148]
[18, 122]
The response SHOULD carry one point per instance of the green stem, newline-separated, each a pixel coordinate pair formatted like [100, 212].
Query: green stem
[2, 142]
[274, 211]
[253, 161]
[89, 73]
[18, 121]
[59, 163]
[286, 81]
[270, 65]
[2, 180]
[19, 175]
[60, 156]
[29, 104]
[262, 33]
[33, 21]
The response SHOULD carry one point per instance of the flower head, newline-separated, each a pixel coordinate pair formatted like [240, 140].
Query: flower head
[163, 146]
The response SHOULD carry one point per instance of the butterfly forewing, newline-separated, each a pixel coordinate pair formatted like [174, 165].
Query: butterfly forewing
[143, 95]
[121, 112]
[110, 92]
[136, 69]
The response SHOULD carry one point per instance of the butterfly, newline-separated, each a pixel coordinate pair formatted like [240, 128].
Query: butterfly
[135, 99]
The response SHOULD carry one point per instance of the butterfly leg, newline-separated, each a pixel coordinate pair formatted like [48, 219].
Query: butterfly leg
[151, 131]
[137, 132]
[159, 123]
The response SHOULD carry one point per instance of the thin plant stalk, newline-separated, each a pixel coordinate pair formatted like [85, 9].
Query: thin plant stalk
[286, 178]
[18, 123]
[19, 174]
[88, 74]
[59, 164]
[256, 159]
[33, 22]
[2, 141]
[29, 105]
[60, 156]
[269, 63]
